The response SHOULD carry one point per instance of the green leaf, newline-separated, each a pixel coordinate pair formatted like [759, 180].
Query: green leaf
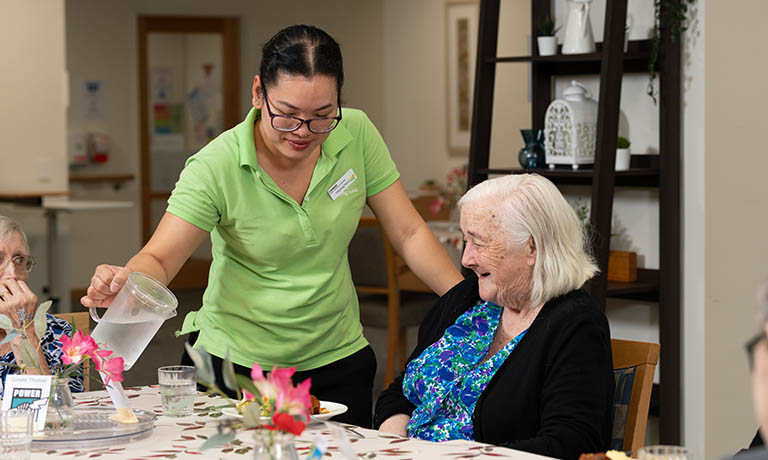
[5, 322]
[252, 414]
[203, 363]
[228, 371]
[217, 439]
[29, 354]
[40, 322]
[10, 335]
[247, 384]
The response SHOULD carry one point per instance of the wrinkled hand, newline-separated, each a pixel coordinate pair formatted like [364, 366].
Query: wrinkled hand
[105, 284]
[17, 301]
[396, 424]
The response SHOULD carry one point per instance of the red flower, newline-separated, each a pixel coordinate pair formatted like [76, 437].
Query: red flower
[285, 422]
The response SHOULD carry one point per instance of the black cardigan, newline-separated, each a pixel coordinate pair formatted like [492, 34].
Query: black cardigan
[553, 395]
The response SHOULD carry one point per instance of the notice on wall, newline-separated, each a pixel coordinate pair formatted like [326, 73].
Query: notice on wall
[92, 100]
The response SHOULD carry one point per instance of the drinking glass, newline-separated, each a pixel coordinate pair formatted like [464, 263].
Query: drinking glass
[178, 389]
[664, 453]
[16, 434]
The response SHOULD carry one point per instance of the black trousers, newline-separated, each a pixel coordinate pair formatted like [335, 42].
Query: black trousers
[348, 381]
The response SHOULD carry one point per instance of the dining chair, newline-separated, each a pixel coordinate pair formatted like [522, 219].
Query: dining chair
[633, 366]
[376, 269]
[80, 321]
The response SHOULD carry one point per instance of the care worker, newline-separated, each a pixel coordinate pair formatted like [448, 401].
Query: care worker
[281, 195]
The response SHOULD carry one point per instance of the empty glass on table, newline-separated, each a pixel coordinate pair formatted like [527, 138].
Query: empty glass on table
[15, 434]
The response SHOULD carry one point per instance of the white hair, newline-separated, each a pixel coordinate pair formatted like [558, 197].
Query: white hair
[530, 205]
[8, 226]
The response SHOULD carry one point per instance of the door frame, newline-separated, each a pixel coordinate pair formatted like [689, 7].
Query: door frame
[195, 272]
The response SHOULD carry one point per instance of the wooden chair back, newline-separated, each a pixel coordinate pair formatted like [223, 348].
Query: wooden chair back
[81, 321]
[392, 291]
[643, 357]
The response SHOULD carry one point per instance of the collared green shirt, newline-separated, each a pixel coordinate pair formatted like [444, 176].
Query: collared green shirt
[280, 291]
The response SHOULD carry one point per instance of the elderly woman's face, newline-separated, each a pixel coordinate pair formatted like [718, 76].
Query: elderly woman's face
[760, 385]
[12, 250]
[504, 271]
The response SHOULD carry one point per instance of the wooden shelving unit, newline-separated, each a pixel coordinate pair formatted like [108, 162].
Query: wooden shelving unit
[662, 171]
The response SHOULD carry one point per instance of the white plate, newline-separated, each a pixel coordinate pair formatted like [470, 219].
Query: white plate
[332, 409]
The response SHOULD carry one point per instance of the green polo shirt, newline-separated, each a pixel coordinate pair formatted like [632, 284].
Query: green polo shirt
[280, 291]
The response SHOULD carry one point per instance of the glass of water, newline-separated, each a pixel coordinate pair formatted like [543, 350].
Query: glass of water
[16, 434]
[177, 390]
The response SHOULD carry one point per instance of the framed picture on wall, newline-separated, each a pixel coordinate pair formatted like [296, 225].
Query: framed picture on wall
[461, 18]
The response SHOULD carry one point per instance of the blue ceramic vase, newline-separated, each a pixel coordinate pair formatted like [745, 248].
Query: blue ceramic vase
[532, 154]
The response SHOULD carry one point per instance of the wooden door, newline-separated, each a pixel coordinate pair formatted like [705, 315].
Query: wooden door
[189, 93]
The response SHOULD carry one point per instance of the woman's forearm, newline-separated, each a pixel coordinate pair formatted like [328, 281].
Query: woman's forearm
[396, 424]
[429, 260]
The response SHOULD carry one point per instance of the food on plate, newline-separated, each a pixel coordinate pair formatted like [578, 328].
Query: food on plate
[315, 409]
[266, 408]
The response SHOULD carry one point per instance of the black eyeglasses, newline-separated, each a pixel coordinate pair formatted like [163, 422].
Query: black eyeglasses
[750, 347]
[287, 124]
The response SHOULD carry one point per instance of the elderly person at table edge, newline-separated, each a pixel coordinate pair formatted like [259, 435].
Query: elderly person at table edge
[19, 303]
[757, 354]
[517, 355]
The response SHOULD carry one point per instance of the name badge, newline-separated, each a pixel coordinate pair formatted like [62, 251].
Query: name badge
[342, 184]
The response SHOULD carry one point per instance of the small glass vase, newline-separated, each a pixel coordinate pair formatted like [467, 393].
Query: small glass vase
[532, 154]
[61, 407]
[274, 445]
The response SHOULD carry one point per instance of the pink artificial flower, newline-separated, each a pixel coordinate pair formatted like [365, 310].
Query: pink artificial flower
[75, 349]
[437, 204]
[271, 386]
[113, 370]
[294, 401]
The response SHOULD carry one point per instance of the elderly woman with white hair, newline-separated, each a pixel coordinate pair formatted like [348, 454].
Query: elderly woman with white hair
[19, 304]
[518, 354]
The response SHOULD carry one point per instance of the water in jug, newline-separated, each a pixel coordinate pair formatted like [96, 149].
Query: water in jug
[134, 317]
[578, 29]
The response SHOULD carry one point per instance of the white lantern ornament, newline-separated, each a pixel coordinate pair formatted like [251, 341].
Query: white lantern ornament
[570, 128]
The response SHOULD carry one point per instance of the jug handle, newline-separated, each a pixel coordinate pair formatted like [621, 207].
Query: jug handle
[583, 19]
[94, 315]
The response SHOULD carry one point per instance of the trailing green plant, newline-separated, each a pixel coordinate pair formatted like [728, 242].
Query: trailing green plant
[671, 14]
[547, 26]
[622, 143]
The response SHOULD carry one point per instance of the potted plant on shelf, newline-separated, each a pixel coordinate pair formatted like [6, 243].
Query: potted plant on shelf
[547, 40]
[622, 154]
[675, 13]
[622, 265]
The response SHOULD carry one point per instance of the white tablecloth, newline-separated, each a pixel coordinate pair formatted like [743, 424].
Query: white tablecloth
[180, 438]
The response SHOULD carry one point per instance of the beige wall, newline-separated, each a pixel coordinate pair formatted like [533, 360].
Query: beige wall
[736, 218]
[33, 91]
[415, 89]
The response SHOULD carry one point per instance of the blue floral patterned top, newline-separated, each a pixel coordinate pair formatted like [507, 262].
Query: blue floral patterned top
[51, 345]
[446, 380]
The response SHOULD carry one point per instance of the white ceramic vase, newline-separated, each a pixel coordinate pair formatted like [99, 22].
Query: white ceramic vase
[547, 45]
[578, 30]
[622, 159]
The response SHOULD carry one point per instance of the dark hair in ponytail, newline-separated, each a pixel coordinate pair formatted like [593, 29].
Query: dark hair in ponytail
[301, 50]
